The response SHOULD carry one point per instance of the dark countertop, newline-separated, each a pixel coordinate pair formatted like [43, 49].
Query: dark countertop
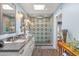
[12, 47]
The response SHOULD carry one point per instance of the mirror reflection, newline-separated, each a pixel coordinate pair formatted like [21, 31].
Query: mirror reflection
[8, 17]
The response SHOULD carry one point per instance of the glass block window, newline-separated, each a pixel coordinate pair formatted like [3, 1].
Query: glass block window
[41, 37]
[41, 29]
[45, 25]
[45, 29]
[37, 25]
[41, 33]
[45, 37]
[37, 29]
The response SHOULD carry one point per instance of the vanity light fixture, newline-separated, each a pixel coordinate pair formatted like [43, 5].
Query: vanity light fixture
[39, 7]
[21, 15]
[7, 7]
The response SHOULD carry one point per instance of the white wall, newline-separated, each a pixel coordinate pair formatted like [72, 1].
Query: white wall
[70, 20]
[51, 22]
[57, 12]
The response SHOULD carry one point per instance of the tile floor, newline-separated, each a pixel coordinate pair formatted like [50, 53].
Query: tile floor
[44, 52]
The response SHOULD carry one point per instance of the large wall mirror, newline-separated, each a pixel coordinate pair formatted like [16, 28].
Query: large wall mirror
[8, 18]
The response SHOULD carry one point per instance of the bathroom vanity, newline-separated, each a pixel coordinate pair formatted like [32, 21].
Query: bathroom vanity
[20, 47]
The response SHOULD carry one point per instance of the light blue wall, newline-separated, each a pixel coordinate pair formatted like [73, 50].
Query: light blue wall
[70, 20]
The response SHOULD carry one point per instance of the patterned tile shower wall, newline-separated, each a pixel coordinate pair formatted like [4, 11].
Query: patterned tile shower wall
[41, 30]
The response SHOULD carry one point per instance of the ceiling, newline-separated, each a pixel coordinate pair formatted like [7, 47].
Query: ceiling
[50, 8]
